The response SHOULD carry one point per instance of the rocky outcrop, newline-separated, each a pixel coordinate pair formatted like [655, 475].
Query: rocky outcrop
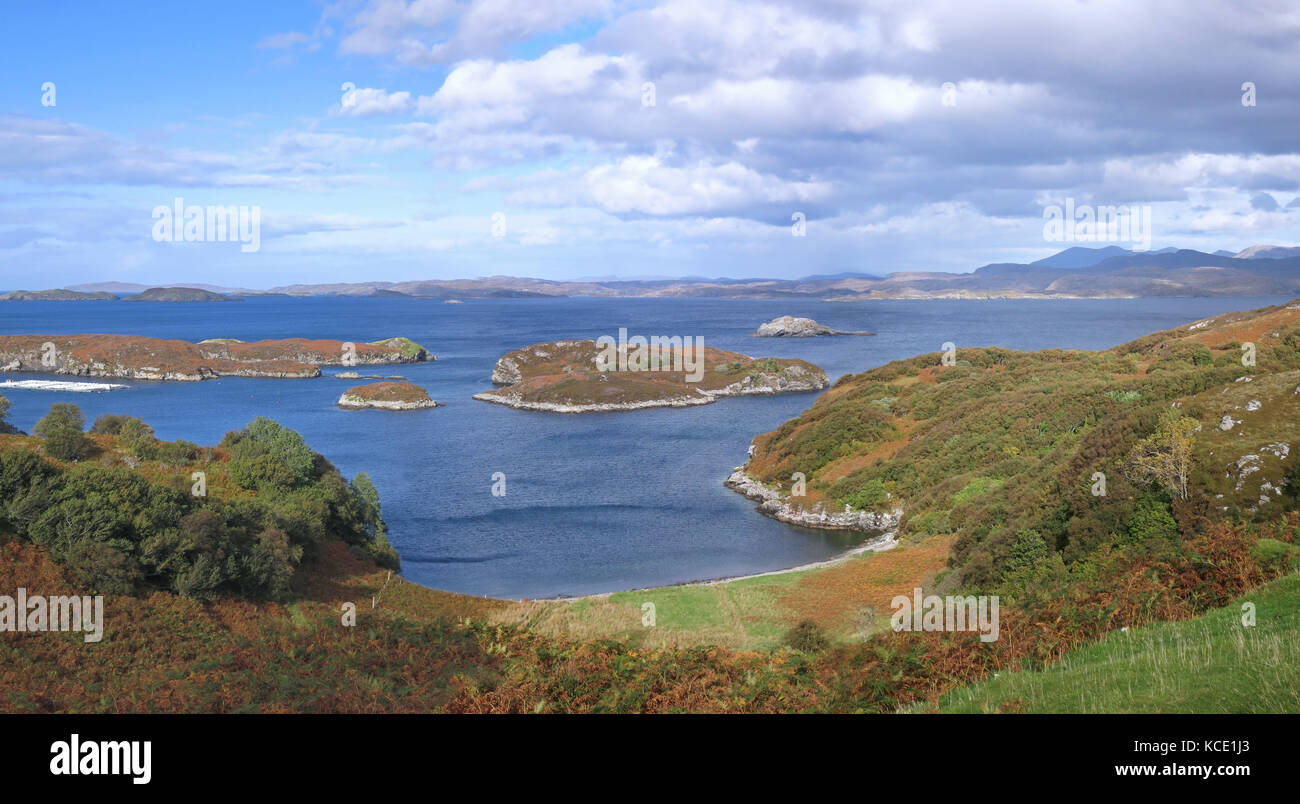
[774, 504]
[387, 396]
[790, 327]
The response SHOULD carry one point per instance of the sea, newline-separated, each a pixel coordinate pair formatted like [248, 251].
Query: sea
[592, 503]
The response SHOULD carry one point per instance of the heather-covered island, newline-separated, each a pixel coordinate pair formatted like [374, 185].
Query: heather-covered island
[387, 396]
[586, 377]
[143, 358]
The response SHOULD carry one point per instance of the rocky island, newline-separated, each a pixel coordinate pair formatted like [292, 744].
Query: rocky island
[56, 295]
[180, 295]
[387, 396]
[142, 358]
[787, 326]
[574, 377]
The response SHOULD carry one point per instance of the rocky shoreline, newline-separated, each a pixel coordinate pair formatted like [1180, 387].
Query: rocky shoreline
[572, 376]
[768, 384]
[387, 396]
[772, 504]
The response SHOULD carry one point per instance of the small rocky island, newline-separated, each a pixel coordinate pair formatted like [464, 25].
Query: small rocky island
[141, 358]
[180, 295]
[387, 396]
[56, 295]
[787, 326]
[579, 377]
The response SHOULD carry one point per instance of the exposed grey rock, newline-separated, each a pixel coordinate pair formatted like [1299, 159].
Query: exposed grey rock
[773, 504]
[790, 327]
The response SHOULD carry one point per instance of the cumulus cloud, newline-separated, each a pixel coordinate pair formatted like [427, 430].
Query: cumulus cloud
[373, 102]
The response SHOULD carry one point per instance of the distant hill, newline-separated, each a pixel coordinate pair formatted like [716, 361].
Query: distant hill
[1269, 252]
[1081, 257]
[1076, 272]
[180, 295]
[56, 295]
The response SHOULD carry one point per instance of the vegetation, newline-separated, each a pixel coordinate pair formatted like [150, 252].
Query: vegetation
[62, 431]
[123, 531]
[111, 355]
[584, 375]
[1215, 663]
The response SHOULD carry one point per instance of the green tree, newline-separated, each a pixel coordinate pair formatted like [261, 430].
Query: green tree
[135, 438]
[5, 427]
[368, 496]
[62, 431]
[1165, 457]
[1151, 519]
[284, 444]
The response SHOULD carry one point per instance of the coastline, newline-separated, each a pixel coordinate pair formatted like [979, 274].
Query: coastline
[880, 545]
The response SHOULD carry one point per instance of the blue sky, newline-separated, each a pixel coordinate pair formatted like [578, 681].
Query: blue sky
[537, 111]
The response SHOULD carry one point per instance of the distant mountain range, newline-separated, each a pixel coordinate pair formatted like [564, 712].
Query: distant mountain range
[1076, 272]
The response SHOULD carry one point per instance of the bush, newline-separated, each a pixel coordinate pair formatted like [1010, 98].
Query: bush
[1276, 556]
[61, 430]
[109, 424]
[1152, 519]
[806, 636]
[136, 439]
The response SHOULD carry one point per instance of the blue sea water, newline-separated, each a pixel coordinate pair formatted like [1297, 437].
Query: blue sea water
[595, 502]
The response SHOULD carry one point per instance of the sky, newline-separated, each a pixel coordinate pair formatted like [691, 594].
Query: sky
[432, 139]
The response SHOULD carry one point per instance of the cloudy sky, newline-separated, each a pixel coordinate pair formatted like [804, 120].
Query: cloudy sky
[386, 139]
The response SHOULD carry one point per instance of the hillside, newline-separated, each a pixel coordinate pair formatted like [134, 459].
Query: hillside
[1211, 664]
[1006, 448]
[139, 357]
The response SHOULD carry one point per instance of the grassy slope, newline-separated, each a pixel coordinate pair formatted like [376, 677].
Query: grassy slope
[848, 600]
[1206, 665]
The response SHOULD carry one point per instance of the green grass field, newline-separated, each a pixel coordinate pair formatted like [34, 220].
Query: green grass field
[1211, 664]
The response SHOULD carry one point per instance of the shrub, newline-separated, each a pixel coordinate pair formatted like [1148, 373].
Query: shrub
[136, 439]
[806, 636]
[61, 431]
[109, 424]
